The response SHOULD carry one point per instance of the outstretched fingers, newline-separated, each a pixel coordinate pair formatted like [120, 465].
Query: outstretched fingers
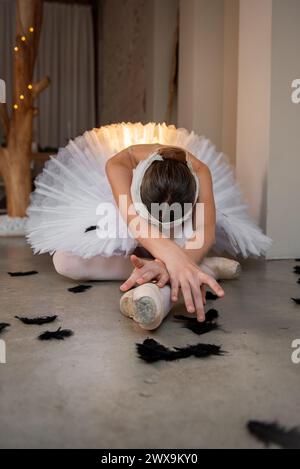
[213, 284]
[197, 295]
[187, 295]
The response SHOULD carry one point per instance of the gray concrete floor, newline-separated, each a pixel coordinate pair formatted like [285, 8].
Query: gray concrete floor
[91, 391]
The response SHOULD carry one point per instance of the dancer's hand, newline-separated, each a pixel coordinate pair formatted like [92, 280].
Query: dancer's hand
[185, 274]
[145, 271]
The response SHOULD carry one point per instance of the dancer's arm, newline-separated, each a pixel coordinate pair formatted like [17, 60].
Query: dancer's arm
[183, 270]
[203, 239]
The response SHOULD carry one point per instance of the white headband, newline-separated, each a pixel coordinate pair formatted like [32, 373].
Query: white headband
[140, 207]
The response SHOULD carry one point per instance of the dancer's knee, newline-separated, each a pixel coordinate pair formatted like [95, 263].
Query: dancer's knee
[67, 265]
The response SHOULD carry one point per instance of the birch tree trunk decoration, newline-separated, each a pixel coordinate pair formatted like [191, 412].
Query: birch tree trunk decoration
[15, 158]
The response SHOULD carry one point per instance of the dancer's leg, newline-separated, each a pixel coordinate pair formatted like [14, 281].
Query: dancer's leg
[148, 304]
[221, 268]
[95, 268]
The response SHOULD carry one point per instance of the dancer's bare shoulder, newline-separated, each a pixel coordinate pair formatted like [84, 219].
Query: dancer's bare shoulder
[141, 151]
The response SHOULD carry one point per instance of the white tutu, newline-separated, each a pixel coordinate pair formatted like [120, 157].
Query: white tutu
[73, 183]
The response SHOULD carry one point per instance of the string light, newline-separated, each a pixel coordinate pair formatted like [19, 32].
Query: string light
[23, 38]
[16, 48]
[29, 86]
[31, 29]
[16, 106]
[22, 96]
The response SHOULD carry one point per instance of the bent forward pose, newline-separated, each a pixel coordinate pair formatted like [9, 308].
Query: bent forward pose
[182, 170]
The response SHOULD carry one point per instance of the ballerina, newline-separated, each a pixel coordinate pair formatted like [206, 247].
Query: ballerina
[125, 161]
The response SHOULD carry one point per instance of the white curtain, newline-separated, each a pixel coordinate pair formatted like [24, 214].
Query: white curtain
[66, 54]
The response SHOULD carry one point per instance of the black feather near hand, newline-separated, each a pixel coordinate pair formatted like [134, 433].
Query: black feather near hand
[297, 269]
[38, 320]
[152, 351]
[3, 326]
[200, 328]
[211, 296]
[298, 281]
[60, 334]
[90, 228]
[22, 274]
[79, 288]
[296, 300]
[274, 433]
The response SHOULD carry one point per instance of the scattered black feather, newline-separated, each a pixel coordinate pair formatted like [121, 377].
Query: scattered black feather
[297, 269]
[201, 327]
[296, 300]
[274, 433]
[298, 281]
[90, 228]
[38, 320]
[151, 351]
[3, 325]
[297, 260]
[210, 315]
[211, 296]
[22, 274]
[79, 288]
[60, 334]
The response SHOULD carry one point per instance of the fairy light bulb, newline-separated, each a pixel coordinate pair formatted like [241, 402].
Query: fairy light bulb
[29, 86]
[16, 106]
[22, 97]
[23, 38]
[16, 48]
[31, 29]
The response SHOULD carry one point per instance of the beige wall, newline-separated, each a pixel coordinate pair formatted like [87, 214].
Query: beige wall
[136, 56]
[124, 39]
[283, 191]
[254, 103]
[162, 23]
[208, 70]
[230, 83]
[268, 144]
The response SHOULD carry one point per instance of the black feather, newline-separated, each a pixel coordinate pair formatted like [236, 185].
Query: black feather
[60, 334]
[3, 325]
[22, 274]
[296, 300]
[211, 315]
[151, 351]
[297, 269]
[200, 328]
[297, 260]
[38, 320]
[90, 228]
[211, 296]
[79, 288]
[274, 433]
[298, 281]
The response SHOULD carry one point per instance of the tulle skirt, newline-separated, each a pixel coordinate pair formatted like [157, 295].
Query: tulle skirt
[64, 204]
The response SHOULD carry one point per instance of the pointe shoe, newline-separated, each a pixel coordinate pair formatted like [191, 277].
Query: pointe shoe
[223, 269]
[144, 304]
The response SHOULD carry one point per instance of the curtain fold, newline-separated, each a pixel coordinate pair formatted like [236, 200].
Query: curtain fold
[66, 55]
